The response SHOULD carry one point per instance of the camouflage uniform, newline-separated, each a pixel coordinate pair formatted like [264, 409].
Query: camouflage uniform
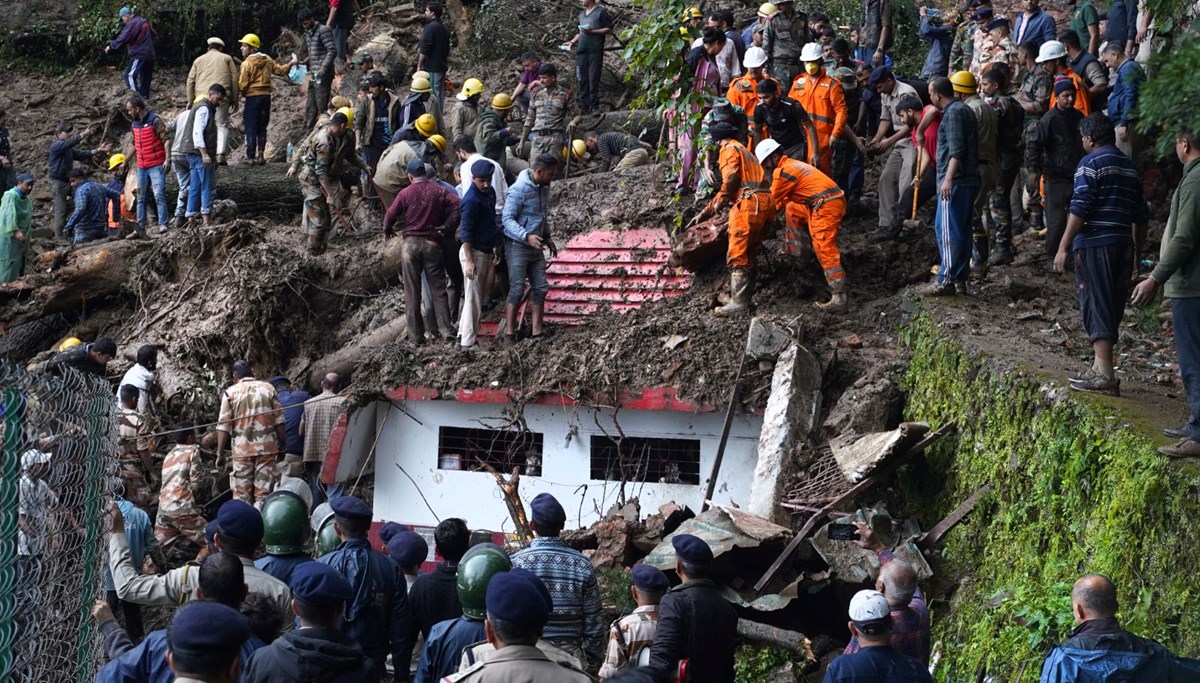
[133, 450]
[1009, 151]
[963, 50]
[627, 638]
[328, 157]
[1036, 86]
[547, 120]
[177, 511]
[782, 40]
[981, 53]
[250, 412]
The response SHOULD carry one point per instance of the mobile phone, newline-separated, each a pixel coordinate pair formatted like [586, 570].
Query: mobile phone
[843, 532]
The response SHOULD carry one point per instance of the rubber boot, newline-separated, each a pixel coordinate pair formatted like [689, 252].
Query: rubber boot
[838, 302]
[1002, 255]
[740, 289]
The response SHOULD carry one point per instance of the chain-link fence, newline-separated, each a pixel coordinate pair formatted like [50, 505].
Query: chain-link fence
[56, 473]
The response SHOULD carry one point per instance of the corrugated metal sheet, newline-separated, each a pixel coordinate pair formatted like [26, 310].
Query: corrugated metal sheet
[617, 269]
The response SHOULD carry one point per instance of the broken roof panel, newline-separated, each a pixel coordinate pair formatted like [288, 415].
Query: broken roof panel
[723, 529]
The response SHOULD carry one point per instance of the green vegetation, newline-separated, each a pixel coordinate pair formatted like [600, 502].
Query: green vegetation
[753, 664]
[1074, 490]
[1167, 102]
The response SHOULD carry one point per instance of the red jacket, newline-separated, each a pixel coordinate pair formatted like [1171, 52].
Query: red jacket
[148, 144]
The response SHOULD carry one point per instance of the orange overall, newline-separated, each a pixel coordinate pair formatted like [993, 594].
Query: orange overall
[810, 197]
[822, 97]
[743, 92]
[1083, 101]
[744, 184]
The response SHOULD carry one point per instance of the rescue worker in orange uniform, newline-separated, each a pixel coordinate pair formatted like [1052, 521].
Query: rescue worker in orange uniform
[746, 191]
[821, 96]
[742, 91]
[809, 197]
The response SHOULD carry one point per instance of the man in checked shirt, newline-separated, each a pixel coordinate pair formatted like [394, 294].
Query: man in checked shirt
[634, 634]
[898, 583]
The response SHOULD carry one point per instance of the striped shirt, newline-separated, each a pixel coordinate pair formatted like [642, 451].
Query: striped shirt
[569, 577]
[627, 638]
[1108, 197]
[910, 624]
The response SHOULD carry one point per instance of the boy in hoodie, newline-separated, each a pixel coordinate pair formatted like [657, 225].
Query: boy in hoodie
[317, 651]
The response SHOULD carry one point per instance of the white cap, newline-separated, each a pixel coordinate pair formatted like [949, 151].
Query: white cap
[755, 57]
[811, 52]
[216, 41]
[1051, 49]
[868, 606]
[461, 97]
[33, 457]
[765, 149]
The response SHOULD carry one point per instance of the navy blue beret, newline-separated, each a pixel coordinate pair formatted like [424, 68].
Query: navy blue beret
[349, 507]
[210, 532]
[279, 379]
[388, 531]
[547, 510]
[320, 585]
[537, 583]
[691, 549]
[482, 168]
[649, 578]
[415, 168]
[408, 548]
[237, 518]
[206, 627]
[512, 596]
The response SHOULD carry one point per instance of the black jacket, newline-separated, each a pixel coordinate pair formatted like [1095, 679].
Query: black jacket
[1055, 148]
[314, 655]
[696, 623]
[435, 45]
[433, 598]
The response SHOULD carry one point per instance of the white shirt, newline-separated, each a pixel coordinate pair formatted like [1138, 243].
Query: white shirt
[727, 62]
[141, 378]
[198, 126]
[498, 183]
[36, 499]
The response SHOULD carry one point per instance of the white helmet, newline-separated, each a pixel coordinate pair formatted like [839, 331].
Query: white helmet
[811, 53]
[765, 149]
[755, 57]
[1051, 50]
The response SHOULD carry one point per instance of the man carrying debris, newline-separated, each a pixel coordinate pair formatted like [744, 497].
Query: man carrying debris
[134, 456]
[250, 411]
[214, 66]
[1105, 231]
[201, 149]
[427, 211]
[746, 192]
[695, 622]
[631, 637]
[809, 198]
[465, 115]
[575, 623]
[527, 230]
[321, 415]
[90, 220]
[178, 514]
[254, 82]
[480, 233]
[374, 618]
[16, 214]
[871, 623]
[547, 117]
[63, 156]
[321, 52]
[326, 161]
[138, 38]
[617, 147]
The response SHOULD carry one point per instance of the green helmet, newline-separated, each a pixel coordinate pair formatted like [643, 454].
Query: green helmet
[327, 537]
[285, 523]
[474, 572]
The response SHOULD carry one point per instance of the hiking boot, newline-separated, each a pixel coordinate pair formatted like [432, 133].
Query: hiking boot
[936, 289]
[838, 303]
[1002, 256]
[1184, 448]
[1097, 384]
[960, 288]
[1180, 432]
[884, 234]
[740, 289]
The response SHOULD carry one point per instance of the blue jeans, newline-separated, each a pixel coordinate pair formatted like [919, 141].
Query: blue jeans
[952, 227]
[437, 82]
[183, 178]
[156, 179]
[201, 184]
[1186, 316]
[525, 264]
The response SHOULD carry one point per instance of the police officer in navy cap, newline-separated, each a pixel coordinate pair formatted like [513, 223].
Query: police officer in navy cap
[317, 651]
[376, 615]
[631, 637]
[517, 611]
[205, 641]
[695, 622]
[408, 550]
[576, 624]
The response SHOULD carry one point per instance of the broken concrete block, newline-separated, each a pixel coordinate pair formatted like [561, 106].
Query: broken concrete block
[766, 340]
[613, 541]
[581, 539]
[858, 455]
[790, 417]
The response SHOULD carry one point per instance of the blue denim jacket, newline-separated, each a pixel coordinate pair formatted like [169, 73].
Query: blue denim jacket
[525, 208]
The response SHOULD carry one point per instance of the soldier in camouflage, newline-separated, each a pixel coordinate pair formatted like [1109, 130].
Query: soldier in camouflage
[786, 33]
[547, 117]
[326, 161]
[1034, 98]
[252, 415]
[133, 450]
[962, 50]
[178, 514]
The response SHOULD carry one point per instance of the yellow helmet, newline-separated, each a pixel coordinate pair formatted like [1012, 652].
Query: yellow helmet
[426, 124]
[579, 148]
[420, 85]
[115, 160]
[439, 142]
[683, 33]
[472, 86]
[964, 82]
[767, 10]
[421, 74]
[502, 101]
[692, 13]
[348, 113]
[338, 102]
[251, 40]
[68, 343]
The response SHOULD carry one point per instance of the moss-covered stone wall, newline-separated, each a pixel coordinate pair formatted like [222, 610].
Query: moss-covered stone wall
[1076, 488]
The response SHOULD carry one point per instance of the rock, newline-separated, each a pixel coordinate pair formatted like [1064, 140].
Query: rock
[581, 539]
[873, 404]
[701, 245]
[852, 341]
[224, 211]
[614, 539]
[766, 340]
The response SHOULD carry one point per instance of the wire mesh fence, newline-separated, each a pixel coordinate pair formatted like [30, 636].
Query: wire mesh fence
[56, 473]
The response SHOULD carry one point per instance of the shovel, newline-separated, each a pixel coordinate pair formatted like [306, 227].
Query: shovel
[915, 224]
